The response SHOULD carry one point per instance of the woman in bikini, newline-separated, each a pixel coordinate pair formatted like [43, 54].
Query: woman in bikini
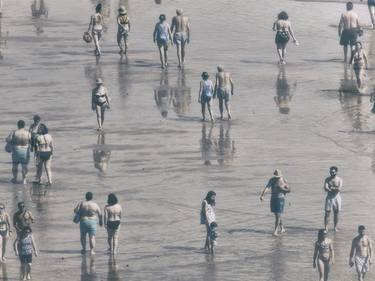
[44, 151]
[206, 90]
[5, 230]
[123, 30]
[112, 219]
[359, 61]
[323, 255]
[100, 102]
[284, 31]
[96, 27]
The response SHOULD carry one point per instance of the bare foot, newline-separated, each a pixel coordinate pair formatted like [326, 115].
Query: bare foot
[92, 252]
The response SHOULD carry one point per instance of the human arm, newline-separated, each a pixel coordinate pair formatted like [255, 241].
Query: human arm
[274, 26]
[215, 88]
[170, 36]
[351, 255]
[341, 23]
[352, 57]
[9, 138]
[369, 250]
[93, 100]
[327, 188]
[105, 216]
[200, 92]
[291, 32]
[315, 255]
[332, 255]
[7, 221]
[154, 33]
[188, 32]
[100, 216]
[107, 97]
[173, 25]
[231, 86]
[265, 190]
[78, 207]
[34, 246]
[15, 246]
[365, 59]
[284, 188]
[91, 23]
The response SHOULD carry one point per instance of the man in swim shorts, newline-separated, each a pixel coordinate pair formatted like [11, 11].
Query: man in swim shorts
[332, 185]
[181, 29]
[22, 219]
[348, 29]
[223, 90]
[361, 251]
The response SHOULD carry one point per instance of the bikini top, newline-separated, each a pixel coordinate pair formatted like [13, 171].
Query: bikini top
[358, 56]
[323, 246]
[124, 19]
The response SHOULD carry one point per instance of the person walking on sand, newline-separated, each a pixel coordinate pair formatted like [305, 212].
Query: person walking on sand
[44, 152]
[206, 90]
[5, 230]
[96, 27]
[100, 102]
[22, 219]
[181, 37]
[371, 9]
[361, 252]
[224, 88]
[123, 30]
[112, 220]
[207, 217]
[279, 188]
[88, 212]
[332, 185]
[284, 31]
[162, 36]
[360, 63]
[24, 247]
[324, 255]
[20, 142]
[348, 29]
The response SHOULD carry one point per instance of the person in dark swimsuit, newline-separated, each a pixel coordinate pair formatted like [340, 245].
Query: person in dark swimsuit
[100, 102]
[323, 254]
[112, 217]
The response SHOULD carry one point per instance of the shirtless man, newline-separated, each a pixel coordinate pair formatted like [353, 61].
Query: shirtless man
[181, 29]
[348, 29]
[22, 218]
[332, 185]
[361, 251]
[88, 211]
[224, 90]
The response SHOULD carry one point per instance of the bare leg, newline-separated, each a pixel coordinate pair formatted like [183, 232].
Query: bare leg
[102, 111]
[28, 271]
[283, 52]
[99, 117]
[126, 44]
[183, 45]
[277, 223]
[207, 244]
[210, 110]
[15, 172]
[345, 53]
[321, 270]
[92, 243]
[48, 165]
[39, 170]
[335, 220]
[227, 107]
[24, 172]
[221, 108]
[96, 39]
[326, 219]
[280, 53]
[119, 43]
[110, 241]
[5, 240]
[83, 242]
[372, 15]
[161, 56]
[203, 105]
[165, 55]
[179, 55]
[23, 271]
[326, 270]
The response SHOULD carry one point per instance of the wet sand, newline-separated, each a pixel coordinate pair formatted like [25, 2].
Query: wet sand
[158, 166]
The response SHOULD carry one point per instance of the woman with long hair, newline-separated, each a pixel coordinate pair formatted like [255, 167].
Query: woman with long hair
[112, 219]
[324, 255]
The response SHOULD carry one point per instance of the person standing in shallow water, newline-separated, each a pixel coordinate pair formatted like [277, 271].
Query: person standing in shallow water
[100, 102]
[224, 88]
[88, 211]
[324, 255]
[284, 31]
[332, 185]
[96, 28]
[44, 152]
[181, 37]
[20, 140]
[279, 188]
[206, 90]
[348, 29]
[112, 220]
[162, 36]
[208, 218]
[361, 252]
[359, 61]
[123, 30]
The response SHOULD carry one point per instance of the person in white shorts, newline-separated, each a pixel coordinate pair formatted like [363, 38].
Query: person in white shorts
[332, 185]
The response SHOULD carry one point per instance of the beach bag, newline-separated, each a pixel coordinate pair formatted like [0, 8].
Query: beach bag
[9, 145]
[77, 216]
[87, 37]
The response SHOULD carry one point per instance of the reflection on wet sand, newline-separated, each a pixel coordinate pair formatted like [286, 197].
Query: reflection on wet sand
[88, 272]
[181, 98]
[93, 72]
[101, 154]
[38, 193]
[157, 2]
[224, 145]
[39, 10]
[113, 274]
[4, 274]
[163, 94]
[123, 76]
[284, 92]
[210, 272]
[206, 143]
[3, 38]
[278, 260]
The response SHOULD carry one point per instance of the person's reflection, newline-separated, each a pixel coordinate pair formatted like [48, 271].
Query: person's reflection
[3, 39]
[278, 260]
[101, 154]
[93, 72]
[123, 76]
[224, 145]
[284, 92]
[113, 274]
[88, 272]
[348, 85]
[206, 144]
[181, 98]
[210, 272]
[4, 274]
[38, 193]
[38, 9]
[162, 94]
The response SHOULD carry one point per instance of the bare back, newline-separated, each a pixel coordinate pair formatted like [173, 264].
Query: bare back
[113, 213]
[180, 23]
[282, 24]
[223, 79]
[89, 210]
[349, 20]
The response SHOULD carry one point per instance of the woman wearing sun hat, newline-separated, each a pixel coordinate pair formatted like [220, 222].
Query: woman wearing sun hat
[279, 187]
[100, 101]
[123, 30]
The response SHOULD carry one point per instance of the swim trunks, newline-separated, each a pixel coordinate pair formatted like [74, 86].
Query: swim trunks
[224, 93]
[349, 36]
[88, 226]
[277, 205]
[362, 264]
[20, 155]
[180, 38]
[333, 203]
